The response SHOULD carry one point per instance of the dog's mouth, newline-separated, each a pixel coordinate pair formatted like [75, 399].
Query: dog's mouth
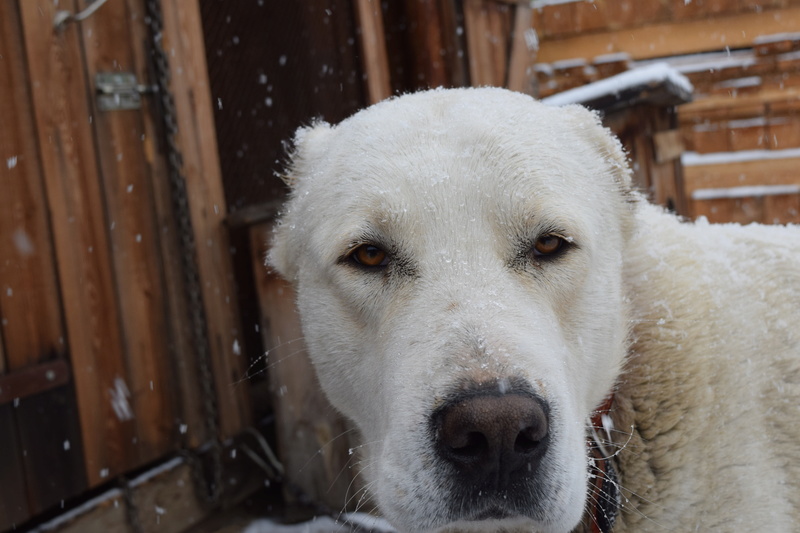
[493, 512]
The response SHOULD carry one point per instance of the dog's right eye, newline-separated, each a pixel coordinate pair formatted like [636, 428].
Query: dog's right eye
[369, 255]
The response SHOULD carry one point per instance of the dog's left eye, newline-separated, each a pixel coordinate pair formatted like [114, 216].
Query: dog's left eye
[369, 255]
[549, 245]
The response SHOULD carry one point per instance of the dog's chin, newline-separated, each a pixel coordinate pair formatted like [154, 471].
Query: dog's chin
[492, 513]
[492, 519]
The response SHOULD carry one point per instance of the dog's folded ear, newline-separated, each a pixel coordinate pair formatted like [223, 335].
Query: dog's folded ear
[590, 126]
[308, 143]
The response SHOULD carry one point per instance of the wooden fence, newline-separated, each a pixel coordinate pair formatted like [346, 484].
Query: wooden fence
[98, 374]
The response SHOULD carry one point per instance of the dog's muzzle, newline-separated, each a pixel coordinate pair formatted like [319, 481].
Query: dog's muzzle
[491, 442]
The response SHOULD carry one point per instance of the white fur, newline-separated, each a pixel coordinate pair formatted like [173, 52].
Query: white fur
[453, 183]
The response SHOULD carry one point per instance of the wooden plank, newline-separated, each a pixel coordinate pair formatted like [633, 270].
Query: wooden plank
[555, 21]
[711, 138]
[592, 16]
[454, 43]
[30, 313]
[2, 354]
[683, 10]
[431, 54]
[313, 440]
[186, 387]
[488, 28]
[784, 133]
[108, 512]
[134, 235]
[521, 77]
[50, 437]
[782, 209]
[628, 13]
[748, 137]
[668, 145]
[374, 59]
[740, 106]
[742, 174]
[671, 38]
[14, 508]
[166, 502]
[183, 39]
[33, 380]
[68, 156]
[163, 497]
[722, 210]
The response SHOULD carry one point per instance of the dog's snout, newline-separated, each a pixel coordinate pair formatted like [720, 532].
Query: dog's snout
[491, 439]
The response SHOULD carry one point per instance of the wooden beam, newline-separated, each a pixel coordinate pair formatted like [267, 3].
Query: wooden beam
[14, 509]
[134, 233]
[488, 28]
[2, 354]
[186, 386]
[734, 106]
[183, 41]
[30, 310]
[163, 500]
[674, 38]
[51, 441]
[68, 155]
[741, 174]
[313, 439]
[33, 380]
[374, 59]
[520, 74]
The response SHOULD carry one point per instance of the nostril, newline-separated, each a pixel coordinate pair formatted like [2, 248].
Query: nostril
[528, 440]
[474, 446]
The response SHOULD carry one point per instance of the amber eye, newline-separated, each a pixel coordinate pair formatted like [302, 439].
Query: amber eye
[370, 256]
[547, 245]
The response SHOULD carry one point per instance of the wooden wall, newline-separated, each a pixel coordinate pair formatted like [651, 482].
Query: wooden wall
[97, 372]
[744, 61]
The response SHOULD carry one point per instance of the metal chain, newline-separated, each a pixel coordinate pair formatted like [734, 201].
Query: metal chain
[212, 491]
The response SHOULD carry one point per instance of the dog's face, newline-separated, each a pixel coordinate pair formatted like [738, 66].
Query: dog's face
[457, 256]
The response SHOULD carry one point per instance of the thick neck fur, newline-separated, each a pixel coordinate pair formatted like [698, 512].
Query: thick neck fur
[696, 411]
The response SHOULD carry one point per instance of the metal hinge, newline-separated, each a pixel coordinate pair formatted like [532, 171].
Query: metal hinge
[120, 90]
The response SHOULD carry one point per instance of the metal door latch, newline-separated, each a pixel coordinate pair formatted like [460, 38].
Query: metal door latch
[120, 90]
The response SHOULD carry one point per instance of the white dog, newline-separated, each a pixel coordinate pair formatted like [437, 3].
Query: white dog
[476, 279]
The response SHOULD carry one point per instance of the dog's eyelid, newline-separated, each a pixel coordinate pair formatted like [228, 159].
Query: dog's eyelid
[367, 255]
[550, 245]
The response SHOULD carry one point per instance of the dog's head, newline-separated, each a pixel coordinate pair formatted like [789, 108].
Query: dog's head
[457, 256]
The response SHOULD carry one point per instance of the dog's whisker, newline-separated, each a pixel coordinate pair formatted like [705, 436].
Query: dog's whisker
[323, 446]
[265, 357]
[625, 496]
[361, 493]
[605, 444]
[348, 465]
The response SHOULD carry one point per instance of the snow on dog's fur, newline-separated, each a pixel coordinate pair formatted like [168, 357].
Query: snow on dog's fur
[459, 253]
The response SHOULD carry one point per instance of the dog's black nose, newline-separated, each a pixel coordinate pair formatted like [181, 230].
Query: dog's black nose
[492, 438]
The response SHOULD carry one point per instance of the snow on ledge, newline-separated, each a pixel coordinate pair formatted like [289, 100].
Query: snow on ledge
[692, 159]
[650, 74]
[111, 495]
[325, 524]
[745, 192]
[777, 37]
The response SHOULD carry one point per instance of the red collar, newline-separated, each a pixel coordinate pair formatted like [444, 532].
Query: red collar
[604, 495]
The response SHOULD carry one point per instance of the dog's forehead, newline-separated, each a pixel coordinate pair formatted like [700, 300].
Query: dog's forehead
[485, 138]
